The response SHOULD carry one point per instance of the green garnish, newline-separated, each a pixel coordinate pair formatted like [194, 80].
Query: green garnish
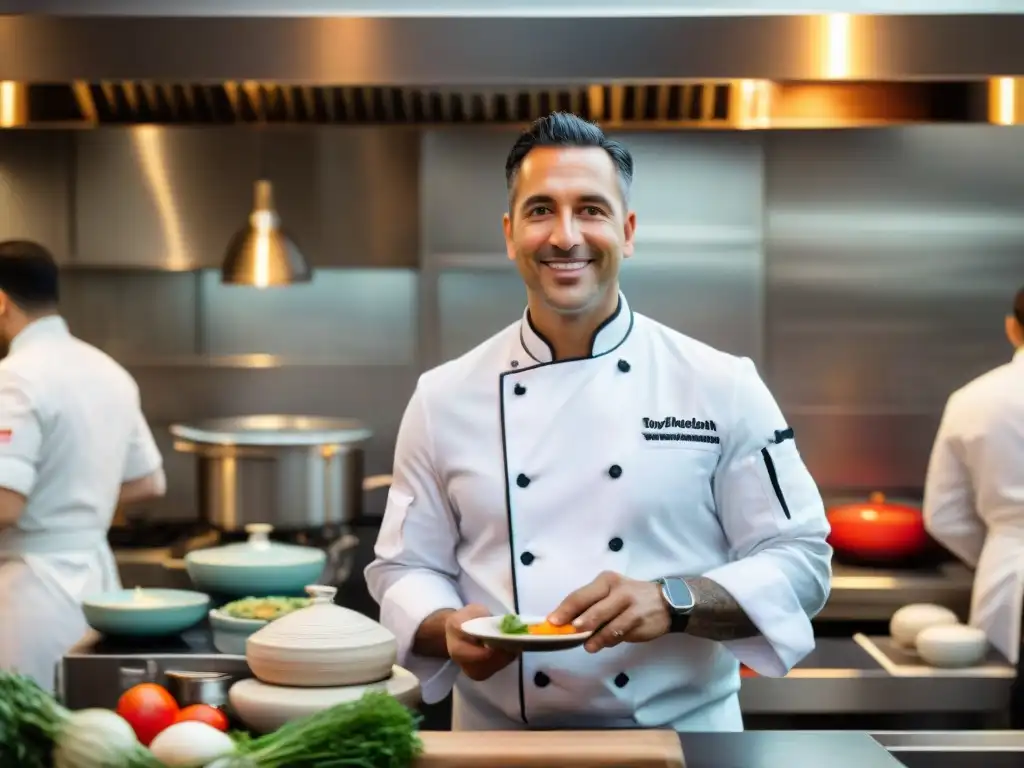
[512, 625]
[377, 731]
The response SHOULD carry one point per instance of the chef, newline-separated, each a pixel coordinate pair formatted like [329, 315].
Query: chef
[73, 444]
[974, 496]
[590, 464]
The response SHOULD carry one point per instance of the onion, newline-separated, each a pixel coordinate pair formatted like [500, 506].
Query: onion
[190, 744]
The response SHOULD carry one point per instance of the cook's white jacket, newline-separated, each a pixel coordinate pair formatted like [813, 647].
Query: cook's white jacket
[974, 496]
[518, 479]
[71, 431]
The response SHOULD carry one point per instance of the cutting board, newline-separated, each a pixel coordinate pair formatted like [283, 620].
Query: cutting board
[547, 749]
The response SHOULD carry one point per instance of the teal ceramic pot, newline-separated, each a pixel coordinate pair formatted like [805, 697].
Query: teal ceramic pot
[258, 567]
[145, 612]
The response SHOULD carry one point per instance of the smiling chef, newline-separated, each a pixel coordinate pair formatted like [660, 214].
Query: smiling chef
[594, 466]
[73, 444]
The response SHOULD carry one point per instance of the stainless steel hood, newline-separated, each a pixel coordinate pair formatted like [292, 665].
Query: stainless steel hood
[667, 70]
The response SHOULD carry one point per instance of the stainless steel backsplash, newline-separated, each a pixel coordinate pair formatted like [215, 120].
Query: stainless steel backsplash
[866, 272]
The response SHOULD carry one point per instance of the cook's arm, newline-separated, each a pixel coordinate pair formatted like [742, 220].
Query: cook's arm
[414, 575]
[761, 603]
[21, 440]
[143, 476]
[949, 514]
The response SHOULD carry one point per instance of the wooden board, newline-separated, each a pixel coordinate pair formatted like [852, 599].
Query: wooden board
[901, 662]
[551, 749]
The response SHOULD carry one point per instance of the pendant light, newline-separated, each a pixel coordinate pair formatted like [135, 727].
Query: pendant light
[262, 254]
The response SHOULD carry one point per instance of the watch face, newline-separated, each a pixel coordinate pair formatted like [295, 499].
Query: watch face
[679, 595]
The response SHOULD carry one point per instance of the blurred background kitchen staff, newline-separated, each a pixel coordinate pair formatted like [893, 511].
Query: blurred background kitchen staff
[73, 444]
[974, 496]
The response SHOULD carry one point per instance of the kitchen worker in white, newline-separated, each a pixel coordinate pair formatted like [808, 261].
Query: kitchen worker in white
[974, 496]
[587, 463]
[73, 443]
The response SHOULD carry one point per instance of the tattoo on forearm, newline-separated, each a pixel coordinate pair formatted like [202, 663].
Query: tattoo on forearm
[717, 615]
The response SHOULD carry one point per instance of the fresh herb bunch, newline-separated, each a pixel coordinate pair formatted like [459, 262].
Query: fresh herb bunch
[30, 722]
[376, 731]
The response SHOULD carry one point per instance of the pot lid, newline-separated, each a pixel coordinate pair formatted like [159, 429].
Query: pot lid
[875, 502]
[323, 626]
[258, 551]
[274, 430]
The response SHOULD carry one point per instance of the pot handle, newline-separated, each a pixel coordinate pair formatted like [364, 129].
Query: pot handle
[374, 482]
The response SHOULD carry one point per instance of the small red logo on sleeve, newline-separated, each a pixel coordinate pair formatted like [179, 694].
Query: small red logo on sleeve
[6, 435]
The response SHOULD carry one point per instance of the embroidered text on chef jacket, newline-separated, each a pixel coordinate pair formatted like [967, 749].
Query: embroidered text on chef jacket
[519, 479]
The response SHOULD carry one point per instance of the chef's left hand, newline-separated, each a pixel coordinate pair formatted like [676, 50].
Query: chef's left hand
[625, 610]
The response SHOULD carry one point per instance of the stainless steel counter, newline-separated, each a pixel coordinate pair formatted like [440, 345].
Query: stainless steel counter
[954, 749]
[840, 677]
[873, 594]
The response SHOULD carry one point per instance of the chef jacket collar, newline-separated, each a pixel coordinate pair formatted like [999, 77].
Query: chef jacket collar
[44, 327]
[609, 335]
[1018, 356]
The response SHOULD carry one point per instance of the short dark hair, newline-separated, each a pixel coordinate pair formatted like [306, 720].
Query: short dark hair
[564, 129]
[1018, 306]
[29, 275]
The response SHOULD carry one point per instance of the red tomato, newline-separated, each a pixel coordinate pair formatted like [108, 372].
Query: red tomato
[204, 713]
[148, 708]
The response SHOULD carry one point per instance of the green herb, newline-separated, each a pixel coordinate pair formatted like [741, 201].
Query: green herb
[376, 731]
[512, 625]
[30, 722]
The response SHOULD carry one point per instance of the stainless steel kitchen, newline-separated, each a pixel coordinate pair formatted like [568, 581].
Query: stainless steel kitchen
[835, 196]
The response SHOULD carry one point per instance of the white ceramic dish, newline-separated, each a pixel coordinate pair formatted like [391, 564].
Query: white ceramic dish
[488, 629]
[265, 708]
[952, 647]
[322, 646]
[911, 620]
[230, 633]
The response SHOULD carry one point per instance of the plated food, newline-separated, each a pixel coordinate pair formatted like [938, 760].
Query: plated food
[263, 608]
[516, 633]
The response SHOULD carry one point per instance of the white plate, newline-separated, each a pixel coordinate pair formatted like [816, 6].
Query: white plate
[488, 629]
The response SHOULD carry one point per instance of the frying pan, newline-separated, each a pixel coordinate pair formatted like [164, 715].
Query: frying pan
[877, 531]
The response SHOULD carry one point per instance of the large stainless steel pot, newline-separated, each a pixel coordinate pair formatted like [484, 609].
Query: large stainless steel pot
[294, 472]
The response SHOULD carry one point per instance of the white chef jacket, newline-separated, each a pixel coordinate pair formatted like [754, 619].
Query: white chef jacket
[518, 479]
[71, 432]
[974, 496]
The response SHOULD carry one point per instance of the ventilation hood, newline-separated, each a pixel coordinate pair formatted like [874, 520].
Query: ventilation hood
[93, 64]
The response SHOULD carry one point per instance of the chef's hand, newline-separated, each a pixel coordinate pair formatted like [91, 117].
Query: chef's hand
[619, 608]
[476, 660]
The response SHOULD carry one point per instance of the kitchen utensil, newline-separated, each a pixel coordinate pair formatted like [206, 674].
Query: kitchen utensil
[910, 620]
[488, 629]
[189, 688]
[295, 472]
[323, 645]
[230, 633]
[952, 646]
[877, 530]
[265, 708]
[258, 567]
[145, 612]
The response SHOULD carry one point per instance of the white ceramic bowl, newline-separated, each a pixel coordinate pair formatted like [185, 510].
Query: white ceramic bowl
[910, 620]
[322, 646]
[265, 708]
[953, 647]
[230, 633]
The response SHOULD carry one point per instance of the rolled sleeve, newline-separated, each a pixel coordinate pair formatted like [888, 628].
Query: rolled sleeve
[143, 458]
[780, 567]
[21, 434]
[415, 570]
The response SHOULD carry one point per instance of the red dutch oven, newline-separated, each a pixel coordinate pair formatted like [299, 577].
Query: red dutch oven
[878, 531]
